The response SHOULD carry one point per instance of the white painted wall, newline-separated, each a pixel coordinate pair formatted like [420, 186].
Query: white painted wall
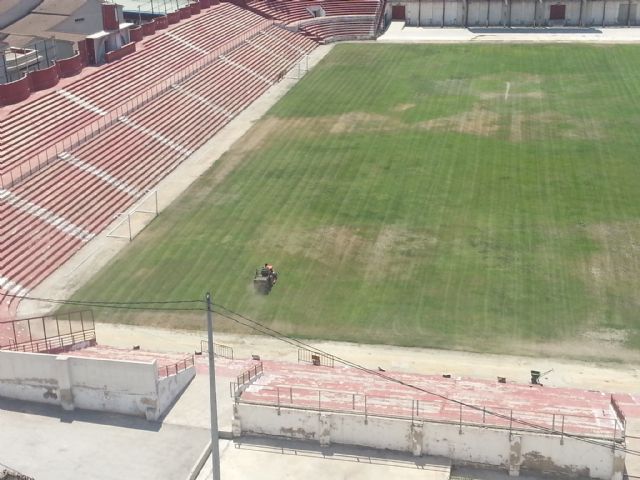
[16, 10]
[131, 388]
[114, 386]
[429, 12]
[470, 444]
[29, 376]
[170, 387]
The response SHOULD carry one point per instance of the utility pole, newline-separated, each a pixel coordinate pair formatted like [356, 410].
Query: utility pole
[215, 451]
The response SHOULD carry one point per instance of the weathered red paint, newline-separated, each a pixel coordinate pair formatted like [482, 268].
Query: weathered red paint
[161, 22]
[44, 78]
[15, 92]
[109, 17]
[136, 34]
[185, 12]
[148, 28]
[121, 52]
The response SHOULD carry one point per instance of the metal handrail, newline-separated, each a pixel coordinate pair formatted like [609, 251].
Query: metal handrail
[219, 350]
[418, 410]
[175, 368]
[17, 173]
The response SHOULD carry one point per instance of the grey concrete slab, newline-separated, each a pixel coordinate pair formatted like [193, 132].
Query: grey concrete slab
[192, 407]
[277, 459]
[48, 443]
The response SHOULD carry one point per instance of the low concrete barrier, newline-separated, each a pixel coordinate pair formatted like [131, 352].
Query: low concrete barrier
[44, 78]
[121, 52]
[127, 387]
[464, 444]
[71, 66]
[15, 92]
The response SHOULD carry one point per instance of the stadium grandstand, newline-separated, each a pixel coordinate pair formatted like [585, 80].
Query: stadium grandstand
[95, 114]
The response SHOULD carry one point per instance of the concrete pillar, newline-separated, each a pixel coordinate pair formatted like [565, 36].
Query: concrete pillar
[324, 429]
[64, 382]
[236, 425]
[515, 455]
[618, 464]
[417, 439]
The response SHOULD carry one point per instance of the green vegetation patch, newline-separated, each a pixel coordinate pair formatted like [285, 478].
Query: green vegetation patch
[476, 196]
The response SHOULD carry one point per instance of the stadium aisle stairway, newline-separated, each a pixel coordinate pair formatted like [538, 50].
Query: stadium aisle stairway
[342, 20]
[36, 125]
[53, 213]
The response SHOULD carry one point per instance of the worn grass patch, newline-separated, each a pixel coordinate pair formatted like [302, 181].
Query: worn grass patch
[479, 196]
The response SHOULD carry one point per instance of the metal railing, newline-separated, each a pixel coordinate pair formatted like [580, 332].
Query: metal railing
[315, 358]
[175, 368]
[380, 23]
[14, 175]
[559, 424]
[47, 333]
[219, 350]
[53, 344]
[245, 379]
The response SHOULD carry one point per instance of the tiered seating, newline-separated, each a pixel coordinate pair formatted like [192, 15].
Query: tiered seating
[77, 196]
[348, 28]
[290, 11]
[588, 413]
[337, 19]
[36, 125]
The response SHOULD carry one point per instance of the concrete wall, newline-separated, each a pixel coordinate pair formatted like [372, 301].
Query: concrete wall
[534, 452]
[169, 388]
[86, 20]
[515, 13]
[16, 11]
[131, 388]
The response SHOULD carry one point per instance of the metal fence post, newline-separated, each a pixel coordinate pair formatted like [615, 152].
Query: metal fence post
[562, 433]
[460, 426]
[366, 421]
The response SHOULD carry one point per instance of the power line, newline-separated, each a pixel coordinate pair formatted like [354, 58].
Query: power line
[265, 330]
[98, 302]
[257, 326]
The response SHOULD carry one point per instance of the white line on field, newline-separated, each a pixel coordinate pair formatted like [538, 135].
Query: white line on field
[506, 91]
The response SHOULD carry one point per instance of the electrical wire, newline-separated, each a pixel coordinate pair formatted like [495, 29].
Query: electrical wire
[257, 326]
[268, 331]
[98, 302]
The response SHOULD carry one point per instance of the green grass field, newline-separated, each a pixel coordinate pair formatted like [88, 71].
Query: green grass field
[473, 196]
